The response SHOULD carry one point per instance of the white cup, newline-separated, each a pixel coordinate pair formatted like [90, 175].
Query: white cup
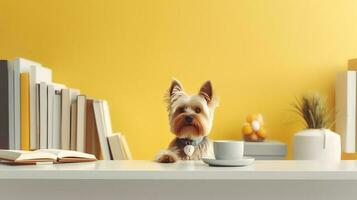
[228, 149]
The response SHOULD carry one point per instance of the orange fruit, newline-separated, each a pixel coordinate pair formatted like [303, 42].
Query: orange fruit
[247, 129]
[262, 133]
[250, 118]
[253, 137]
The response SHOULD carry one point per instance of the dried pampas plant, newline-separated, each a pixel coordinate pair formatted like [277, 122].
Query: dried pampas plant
[313, 109]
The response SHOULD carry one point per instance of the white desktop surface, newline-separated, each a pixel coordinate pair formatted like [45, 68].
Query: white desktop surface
[146, 180]
[184, 170]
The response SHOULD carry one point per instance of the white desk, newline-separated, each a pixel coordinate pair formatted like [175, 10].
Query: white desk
[182, 180]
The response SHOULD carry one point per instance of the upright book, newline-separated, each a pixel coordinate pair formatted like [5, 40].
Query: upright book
[81, 123]
[57, 114]
[69, 96]
[346, 109]
[5, 132]
[73, 137]
[53, 114]
[25, 111]
[42, 111]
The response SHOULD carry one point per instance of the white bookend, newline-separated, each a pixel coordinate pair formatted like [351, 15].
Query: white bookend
[68, 97]
[51, 92]
[116, 147]
[346, 109]
[102, 134]
[81, 123]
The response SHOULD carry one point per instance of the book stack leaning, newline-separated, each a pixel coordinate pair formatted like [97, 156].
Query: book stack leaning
[39, 117]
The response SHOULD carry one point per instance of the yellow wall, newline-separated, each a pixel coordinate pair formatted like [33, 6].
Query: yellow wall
[259, 55]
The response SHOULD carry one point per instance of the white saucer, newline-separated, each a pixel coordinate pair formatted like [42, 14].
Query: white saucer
[229, 163]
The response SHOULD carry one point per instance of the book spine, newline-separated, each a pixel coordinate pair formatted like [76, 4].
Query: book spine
[11, 106]
[4, 105]
[50, 115]
[43, 115]
[65, 120]
[101, 129]
[57, 121]
[17, 104]
[346, 109]
[25, 111]
[81, 123]
[92, 144]
[73, 126]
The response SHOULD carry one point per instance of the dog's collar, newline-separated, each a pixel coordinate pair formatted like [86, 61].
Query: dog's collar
[187, 141]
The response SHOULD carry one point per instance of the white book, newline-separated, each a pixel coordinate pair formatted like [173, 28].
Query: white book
[43, 115]
[107, 120]
[116, 147]
[68, 97]
[56, 131]
[73, 138]
[51, 92]
[11, 107]
[50, 103]
[126, 148]
[101, 129]
[81, 123]
[346, 109]
[37, 74]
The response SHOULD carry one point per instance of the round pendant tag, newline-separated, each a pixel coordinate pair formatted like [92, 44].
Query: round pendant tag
[189, 149]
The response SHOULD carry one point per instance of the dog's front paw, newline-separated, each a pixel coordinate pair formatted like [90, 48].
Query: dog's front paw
[167, 156]
[167, 159]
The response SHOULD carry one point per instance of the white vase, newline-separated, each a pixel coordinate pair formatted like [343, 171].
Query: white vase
[317, 144]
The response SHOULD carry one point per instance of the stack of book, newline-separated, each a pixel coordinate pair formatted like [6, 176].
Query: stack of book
[345, 100]
[36, 113]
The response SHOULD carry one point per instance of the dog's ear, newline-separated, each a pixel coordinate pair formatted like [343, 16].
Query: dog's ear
[175, 87]
[206, 91]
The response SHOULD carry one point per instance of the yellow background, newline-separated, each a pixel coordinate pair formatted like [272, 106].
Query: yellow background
[259, 55]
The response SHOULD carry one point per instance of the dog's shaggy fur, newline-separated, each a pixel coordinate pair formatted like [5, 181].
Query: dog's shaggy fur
[190, 118]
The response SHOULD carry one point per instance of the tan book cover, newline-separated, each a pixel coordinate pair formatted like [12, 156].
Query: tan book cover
[116, 147]
[73, 138]
[92, 145]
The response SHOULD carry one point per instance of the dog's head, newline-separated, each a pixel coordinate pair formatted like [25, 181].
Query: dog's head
[190, 116]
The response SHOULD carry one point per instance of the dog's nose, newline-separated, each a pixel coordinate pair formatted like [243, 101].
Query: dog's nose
[189, 119]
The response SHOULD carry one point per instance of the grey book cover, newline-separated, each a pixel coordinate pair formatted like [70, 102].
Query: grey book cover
[4, 105]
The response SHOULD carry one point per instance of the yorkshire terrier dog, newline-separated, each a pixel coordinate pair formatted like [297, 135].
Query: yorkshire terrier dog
[190, 118]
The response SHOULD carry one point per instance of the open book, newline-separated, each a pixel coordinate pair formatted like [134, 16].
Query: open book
[44, 155]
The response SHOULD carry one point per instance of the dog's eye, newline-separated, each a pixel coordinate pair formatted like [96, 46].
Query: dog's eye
[197, 110]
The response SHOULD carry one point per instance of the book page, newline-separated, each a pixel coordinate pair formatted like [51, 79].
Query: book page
[67, 153]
